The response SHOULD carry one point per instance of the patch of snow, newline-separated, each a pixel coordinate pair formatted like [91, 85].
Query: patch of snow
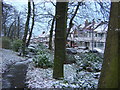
[42, 78]
[9, 57]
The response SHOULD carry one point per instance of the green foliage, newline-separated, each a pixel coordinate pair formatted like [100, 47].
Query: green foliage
[6, 42]
[41, 46]
[90, 60]
[16, 44]
[92, 57]
[42, 61]
[43, 58]
[70, 59]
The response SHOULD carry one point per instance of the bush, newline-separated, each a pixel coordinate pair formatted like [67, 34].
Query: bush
[42, 61]
[44, 58]
[16, 44]
[6, 42]
[70, 59]
[90, 60]
[41, 46]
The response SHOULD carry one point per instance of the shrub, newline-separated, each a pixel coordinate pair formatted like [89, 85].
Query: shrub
[90, 60]
[70, 59]
[16, 44]
[44, 58]
[6, 42]
[42, 61]
[41, 46]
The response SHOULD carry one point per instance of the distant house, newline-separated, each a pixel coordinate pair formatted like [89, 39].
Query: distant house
[34, 40]
[89, 37]
[43, 38]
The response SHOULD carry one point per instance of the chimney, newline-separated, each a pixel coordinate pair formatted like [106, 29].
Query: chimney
[86, 23]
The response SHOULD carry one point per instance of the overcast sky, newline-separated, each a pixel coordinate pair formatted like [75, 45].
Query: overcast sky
[21, 4]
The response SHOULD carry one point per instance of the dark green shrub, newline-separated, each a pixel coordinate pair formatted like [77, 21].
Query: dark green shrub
[42, 49]
[41, 46]
[70, 59]
[6, 42]
[90, 60]
[42, 61]
[44, 58]
[16, 44]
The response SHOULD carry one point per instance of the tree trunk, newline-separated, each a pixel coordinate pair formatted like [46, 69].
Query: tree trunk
[51, 34]
[71, 20]
[60, 39]
[4, 30]
[31, 30]
[26, 28]
[109, 74]
[18, 27]
[0, 17]
[11, 36]
[15, 30]
[119, 45]
[9, 30]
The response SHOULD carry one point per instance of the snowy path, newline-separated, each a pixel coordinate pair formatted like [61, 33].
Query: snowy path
[8, 58]
[14, 69]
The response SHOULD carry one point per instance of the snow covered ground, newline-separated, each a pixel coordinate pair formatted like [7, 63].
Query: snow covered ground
[42, 78]
[8, 57]
[82, 74]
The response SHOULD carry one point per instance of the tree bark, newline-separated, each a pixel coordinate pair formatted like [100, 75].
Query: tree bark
[9, 31]
[31, 30]
[18, 27]
[119, 45]
[0, 17]
[51, 34]
[15, 30]
[71, 20]
[4, 30]
[26, 28]
[60, 39]
[110, 73]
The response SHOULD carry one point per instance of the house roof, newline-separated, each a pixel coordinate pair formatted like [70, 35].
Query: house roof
[102, 28]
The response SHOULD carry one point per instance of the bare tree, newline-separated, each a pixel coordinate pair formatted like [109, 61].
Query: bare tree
[26, 27]
[0, 17]
[33, 21]
[71, 20]
[18, 27]
[9, 31]
[51, 34]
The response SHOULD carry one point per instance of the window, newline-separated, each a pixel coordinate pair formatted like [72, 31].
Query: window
[90, 34]
[87, 44]
[100, 44]
[94, 44]
[96, 35]
[100, 34]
